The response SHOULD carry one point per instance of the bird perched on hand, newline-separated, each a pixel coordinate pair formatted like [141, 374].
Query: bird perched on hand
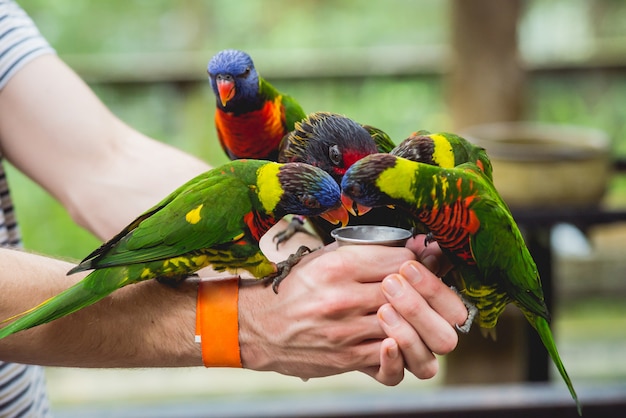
[472, 225]
[251, 116]
[215, 219]
[333, 143]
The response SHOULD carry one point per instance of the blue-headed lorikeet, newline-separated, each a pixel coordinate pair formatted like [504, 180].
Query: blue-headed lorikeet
[251, 116]
[216, 219]
[472, 225]
[333, 143]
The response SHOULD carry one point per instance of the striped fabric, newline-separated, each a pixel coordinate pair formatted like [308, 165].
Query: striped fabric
[20, 40]
[22, 387]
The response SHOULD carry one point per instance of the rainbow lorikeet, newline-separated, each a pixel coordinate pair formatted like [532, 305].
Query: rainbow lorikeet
[251, 116]
[443, 149]
[216, 219]
[329, 141]
[333, 143]
[472, 225]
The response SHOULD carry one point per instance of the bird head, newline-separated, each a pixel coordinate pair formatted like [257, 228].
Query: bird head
[360, 185]
[329, 141]
[419, 146]
[303, 190]
[233, 78]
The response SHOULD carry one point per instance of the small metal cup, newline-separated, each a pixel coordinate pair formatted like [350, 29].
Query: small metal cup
[371, 235]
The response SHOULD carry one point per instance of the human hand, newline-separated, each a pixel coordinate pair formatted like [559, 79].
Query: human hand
[422, 311]
[323, 319]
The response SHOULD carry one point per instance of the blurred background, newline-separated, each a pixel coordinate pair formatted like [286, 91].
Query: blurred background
[400, 65]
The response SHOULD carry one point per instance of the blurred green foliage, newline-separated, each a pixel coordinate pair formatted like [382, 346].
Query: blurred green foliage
[161, 25]
[182, 115]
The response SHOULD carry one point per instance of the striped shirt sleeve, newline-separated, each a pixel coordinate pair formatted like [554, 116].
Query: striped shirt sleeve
[20, 40]
[22, 387]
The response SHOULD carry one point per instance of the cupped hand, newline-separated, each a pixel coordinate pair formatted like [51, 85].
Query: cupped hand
[323, 319]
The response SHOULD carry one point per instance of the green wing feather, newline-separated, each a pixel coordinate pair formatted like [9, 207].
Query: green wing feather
[383, 141]
[503, 258]
[164, 231]
[292, 110]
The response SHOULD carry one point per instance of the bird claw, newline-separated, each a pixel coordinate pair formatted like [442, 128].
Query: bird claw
[472, 310]
[296, 225]
[428, 239]
[284, 267]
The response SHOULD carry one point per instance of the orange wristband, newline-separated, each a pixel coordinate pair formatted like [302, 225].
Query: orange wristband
[217, 322]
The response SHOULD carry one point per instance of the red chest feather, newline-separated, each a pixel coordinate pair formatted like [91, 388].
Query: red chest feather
[254, 134]
[258, 224]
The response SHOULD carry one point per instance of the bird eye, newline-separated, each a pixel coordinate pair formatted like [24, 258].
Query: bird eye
[335, 155]
[246, 72]
[354, 190]
[310, 202]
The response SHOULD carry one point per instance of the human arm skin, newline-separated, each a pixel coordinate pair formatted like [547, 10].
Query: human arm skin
[55, 130]
[144, 325]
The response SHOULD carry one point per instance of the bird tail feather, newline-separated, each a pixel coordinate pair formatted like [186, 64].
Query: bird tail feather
[78, 296]
[543, 328]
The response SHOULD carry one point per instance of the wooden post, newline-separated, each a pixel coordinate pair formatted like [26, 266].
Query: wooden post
[486, 80]
[485, 84]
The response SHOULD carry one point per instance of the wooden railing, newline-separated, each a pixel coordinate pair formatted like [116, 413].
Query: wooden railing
[508, 401]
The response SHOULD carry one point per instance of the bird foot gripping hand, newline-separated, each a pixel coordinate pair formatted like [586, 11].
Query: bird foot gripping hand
[284, 267]
[295, 225]
[472, 310]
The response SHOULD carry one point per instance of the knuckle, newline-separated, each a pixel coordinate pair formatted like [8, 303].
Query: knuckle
[334, 305]
[428, 369]
[430, 286]
[410, 311]
[446, 343]
[330, 265]
[390, 380]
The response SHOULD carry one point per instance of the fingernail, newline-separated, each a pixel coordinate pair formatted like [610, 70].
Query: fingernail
[392, 286]
[431, 263]
[389, 316]
[412, 273]
[392, 351]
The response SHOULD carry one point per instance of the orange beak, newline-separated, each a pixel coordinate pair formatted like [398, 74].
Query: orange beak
[226, 90]
[350, 206]
[334, 216]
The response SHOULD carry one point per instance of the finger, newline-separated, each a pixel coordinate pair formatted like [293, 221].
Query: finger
[418, 357]
[345, 331]
[437, 294]
[433, 329]
[430, 255]
[391, 370]
[370, 263]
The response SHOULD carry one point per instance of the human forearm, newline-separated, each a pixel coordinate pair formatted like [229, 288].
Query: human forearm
[142, 325]
[103, 171]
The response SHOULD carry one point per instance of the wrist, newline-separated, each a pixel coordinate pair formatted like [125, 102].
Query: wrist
[217, 322]
[258, 329]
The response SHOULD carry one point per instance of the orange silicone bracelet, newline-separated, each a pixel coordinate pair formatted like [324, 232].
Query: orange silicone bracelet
[217, 323]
